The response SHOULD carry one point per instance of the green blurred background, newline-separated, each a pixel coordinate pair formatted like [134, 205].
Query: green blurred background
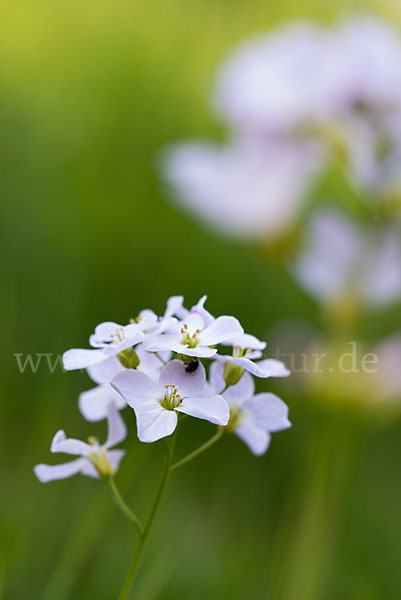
[89, 93]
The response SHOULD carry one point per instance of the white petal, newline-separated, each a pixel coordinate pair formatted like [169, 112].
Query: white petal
[133, 337]
[268, 411]
[274, 368]
[245, 340]
[47, 473]
[160, 342]
[89, 470]
[175, 307]
[149, 363]
[199, 351]
[104, 371]
[93, 403]
[241, 391]
[134, 385]
[255, 438]
[222, 329]
[200, 309]
[214, 409]
[104, 331]
[264, 368]
[194, 322]
[117, 431]
[154, 422]
[235, 394]
[60, 443]
[79, 358]
[189, 384]
[114, 457]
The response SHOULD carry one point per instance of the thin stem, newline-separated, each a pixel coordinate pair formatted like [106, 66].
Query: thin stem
[160, 358]
[199, 450]
[153, 511]
[123, 506]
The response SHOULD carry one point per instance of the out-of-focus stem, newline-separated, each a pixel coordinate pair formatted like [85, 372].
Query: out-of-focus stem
[153, 511]
[122, 505]
[199, 450]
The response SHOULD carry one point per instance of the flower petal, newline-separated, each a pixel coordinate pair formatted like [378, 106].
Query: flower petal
[275, 368]
[47, 473]
[134, 385]
[104, 371]
[198, 351]
[189, 384]
[255, 438]
[153, 421]
[117, 431]
[200, 309]
[214, 409]
[150, 363]
[115, 457]
[104, 331]
[93, 403]
[160, 342]
[268, 411]
[245, 340]
[222, 329]
[193, 321]
[79, 358]
[60, 443]
[269, 367]
[175, 307]
[235, 394]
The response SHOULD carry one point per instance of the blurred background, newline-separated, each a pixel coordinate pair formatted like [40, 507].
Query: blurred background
[89, 94]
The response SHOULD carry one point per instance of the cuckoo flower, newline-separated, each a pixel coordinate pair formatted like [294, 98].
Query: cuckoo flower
[343, 261]
[249, 187]
[192, 337]
[253, 417]
[156, 404]
[94, 460]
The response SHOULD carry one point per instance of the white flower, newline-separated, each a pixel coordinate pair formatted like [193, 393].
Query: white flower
[156, 403]
[192, 337]
[341, 259]
[275, 82]
[364, 67]
[253, 417]
[109, 340]
[247, 188]
[94, 460]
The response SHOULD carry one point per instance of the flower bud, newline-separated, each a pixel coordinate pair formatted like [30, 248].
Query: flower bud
[232, 373]
[101, 463]
[128, 358]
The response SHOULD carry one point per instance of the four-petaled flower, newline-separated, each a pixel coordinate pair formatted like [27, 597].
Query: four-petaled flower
[192, 337]
[253, 417]
[156, 403]
[94, 460]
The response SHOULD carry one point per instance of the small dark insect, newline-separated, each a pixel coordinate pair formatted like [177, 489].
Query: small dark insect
[192, 366]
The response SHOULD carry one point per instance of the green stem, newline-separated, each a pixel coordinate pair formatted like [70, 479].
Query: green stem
[122, 505]
[153, 511]
[199, 450]
[160, 358]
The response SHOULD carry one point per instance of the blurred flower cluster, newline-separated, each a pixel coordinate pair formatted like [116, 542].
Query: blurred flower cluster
[156, 366]
[303, 104]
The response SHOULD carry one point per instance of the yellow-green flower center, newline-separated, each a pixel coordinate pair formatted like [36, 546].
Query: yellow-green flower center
[171, 398]
[188, 340]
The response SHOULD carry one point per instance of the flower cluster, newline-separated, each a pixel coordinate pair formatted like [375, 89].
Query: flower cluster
[185, 362]
[297, 101]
